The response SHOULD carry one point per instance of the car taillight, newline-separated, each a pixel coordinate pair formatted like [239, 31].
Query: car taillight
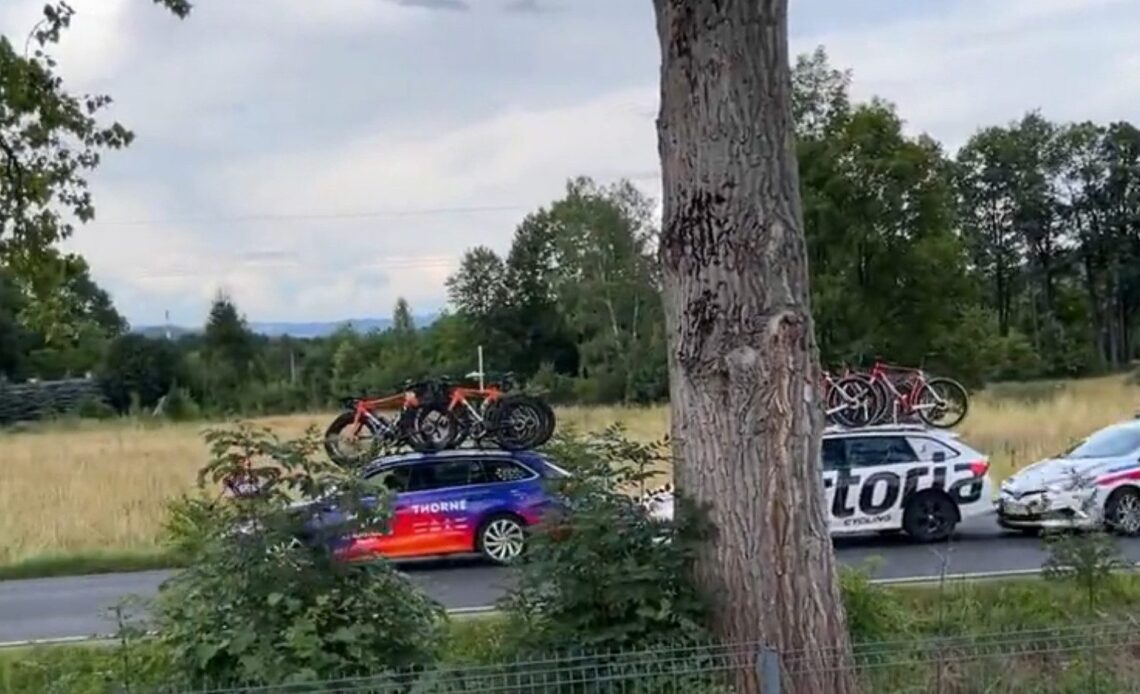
[979, 467]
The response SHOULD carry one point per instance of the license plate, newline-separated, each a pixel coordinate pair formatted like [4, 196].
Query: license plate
[1012, 508]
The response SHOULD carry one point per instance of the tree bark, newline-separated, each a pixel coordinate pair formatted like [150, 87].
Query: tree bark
[743, 360]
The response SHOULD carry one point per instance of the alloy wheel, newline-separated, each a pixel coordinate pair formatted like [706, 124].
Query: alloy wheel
[503, 539]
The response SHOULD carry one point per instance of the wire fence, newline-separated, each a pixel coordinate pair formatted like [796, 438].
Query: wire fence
[1101, 658]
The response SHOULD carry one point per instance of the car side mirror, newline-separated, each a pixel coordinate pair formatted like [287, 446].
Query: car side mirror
[939, 457]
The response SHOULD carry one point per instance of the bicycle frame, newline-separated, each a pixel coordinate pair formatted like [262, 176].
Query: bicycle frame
[900, 400]
[487, 395]
[830, 384]
[363, 410]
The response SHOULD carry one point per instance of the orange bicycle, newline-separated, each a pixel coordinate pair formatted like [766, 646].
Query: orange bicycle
[515, 421]
[424, 422]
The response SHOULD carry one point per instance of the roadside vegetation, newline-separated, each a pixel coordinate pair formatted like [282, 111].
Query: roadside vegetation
[254, 611]
[84, 496]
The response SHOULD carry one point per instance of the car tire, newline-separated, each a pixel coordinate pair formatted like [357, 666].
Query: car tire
[1123, 502]
[501, 538]
[930, 517]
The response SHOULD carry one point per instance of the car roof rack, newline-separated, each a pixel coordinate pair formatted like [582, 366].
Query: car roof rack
[404, 455]
[882, 428]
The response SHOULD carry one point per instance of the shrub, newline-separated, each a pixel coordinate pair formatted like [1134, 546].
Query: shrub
[91, 407]
[138, 366]
[255, 607]
[180, 406]
[600, 576]
[873, 612]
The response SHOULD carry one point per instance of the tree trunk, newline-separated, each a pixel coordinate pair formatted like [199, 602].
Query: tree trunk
[743, 362]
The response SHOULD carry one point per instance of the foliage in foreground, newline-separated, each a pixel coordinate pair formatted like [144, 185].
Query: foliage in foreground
[256, 607]
[596, 584]
[601, 576]
[916, 617]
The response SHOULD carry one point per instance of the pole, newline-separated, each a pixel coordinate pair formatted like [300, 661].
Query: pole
[769, 671]
[481, 374]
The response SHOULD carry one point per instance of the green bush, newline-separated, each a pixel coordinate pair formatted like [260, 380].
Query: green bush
[874, 613]
[600, 577]
[91, 407]
[255, 608]
[139, 369]
[180, 406]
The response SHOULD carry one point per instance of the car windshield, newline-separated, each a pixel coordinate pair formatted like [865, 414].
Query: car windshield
[1107, 443]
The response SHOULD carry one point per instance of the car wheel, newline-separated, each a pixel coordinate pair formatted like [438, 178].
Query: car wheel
[930, 517]
[502, 538]
[1122, 511]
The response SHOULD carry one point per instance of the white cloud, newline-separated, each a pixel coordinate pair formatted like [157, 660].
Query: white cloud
[504, 159]
[285, 107]
[93, 46]
[981, 62]
[312, 267]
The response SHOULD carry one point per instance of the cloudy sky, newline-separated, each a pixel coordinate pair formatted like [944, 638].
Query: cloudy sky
[320, 158]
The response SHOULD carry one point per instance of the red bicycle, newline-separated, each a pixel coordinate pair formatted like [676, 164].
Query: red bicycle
[906, 393]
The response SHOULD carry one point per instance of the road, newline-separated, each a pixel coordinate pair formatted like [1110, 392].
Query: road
[53, 608]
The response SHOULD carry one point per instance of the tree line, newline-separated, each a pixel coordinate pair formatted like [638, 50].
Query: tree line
[1016, 257]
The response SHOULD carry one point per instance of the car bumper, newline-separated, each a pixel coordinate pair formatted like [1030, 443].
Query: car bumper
[1078, 509]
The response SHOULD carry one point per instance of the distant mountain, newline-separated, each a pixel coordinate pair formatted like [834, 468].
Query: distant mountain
[294, 329]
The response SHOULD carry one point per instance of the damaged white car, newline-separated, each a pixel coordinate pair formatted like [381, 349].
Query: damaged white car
[1095, 484]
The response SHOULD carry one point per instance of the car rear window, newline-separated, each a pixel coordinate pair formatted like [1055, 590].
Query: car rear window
[1107, 443]
[495, 471]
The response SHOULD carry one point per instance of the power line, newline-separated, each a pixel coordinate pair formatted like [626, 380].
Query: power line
[316, 216]
[364, 214]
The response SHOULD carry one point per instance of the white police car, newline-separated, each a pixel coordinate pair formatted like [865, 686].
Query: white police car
[885, 478]
[1094, 484]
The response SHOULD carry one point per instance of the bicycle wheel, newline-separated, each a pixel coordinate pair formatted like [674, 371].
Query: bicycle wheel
[435, 428]
[545, 414]
[333, 437]
[857, 400]
[517, 424]
[885, 401]
[550, 420]
[943, 396]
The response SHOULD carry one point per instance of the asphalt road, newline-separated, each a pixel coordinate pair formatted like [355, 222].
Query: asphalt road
[76, 607]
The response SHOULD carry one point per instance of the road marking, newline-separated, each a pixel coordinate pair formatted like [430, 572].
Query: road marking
[972, 576]
[491, 609]
[52, 642]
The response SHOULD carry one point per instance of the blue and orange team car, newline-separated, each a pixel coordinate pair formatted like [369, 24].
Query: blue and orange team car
[452, 502]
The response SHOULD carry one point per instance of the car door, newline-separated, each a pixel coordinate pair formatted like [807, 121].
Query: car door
[507, 486]
[869, 486]
[433, 516]
[394, 480]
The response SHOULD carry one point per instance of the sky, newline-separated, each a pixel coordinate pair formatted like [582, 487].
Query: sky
[317, 159]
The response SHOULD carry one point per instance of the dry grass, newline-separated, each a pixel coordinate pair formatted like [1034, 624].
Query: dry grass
[101, 486]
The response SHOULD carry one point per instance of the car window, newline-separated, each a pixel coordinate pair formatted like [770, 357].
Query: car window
[1107, 443]
[925, 448]
[497, 470]
[444, 474]
[396, 479]
[834, 455]
[869, 451]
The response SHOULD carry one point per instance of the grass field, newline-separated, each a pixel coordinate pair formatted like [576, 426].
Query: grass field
[97, 487]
